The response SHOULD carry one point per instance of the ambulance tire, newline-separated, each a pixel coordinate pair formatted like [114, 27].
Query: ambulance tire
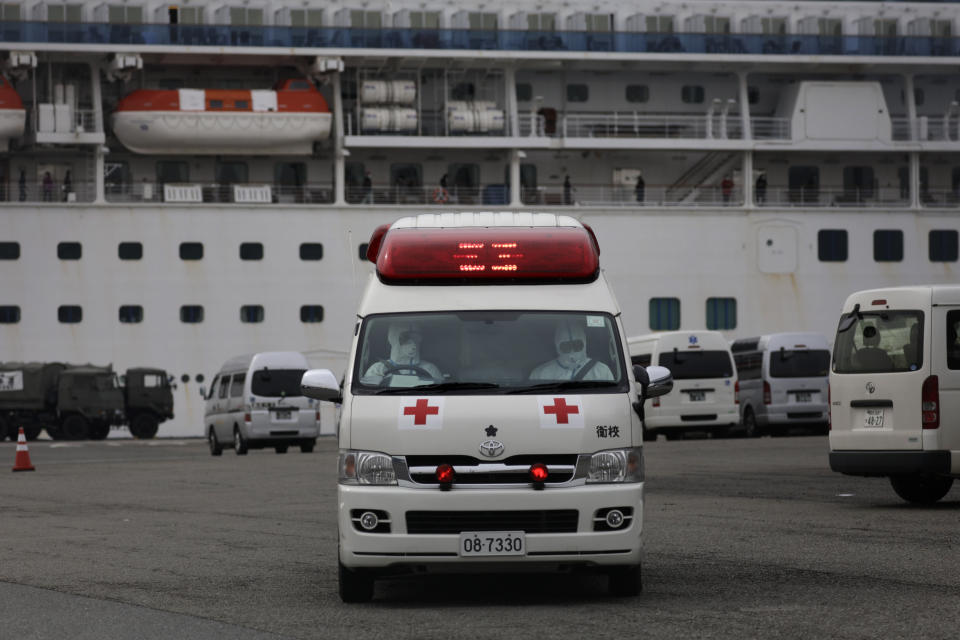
[31, 432]
[307, 447]
[216, 449]
[921, 489]
[625, 582]
[239, 444]
[355, 586]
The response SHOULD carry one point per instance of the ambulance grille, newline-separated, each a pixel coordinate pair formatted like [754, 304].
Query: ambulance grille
[453, 522]
[513, 470]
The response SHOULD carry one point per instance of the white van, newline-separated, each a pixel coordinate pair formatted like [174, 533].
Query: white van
[895, 387]
[782, 381]
[703, 396]
[489, 417]
[255, 402]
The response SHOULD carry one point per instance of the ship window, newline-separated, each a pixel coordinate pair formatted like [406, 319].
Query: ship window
[190, 15]
[130, 251]
[365, 19]
[216, 104]
[64, 12]
[692, 94]
[664, 314]
[524, 92]
[832, 245]
[172, 171]
[857, 184]
[242, 16]
[289, 179]
[311, 313]
[231, 172]
[251, 251]
[943, 245]
[122, 14]
[70, 314]
[659, 24]
[131, 314]
[424, 19]
[69, 250]
[362, 250]
[463, 181]
[354, 175]
[918, 97]
[311, 251]
[306, 17]
[251, 313]
[638, 93]
[241, 104]
[721, 314]
[9, 13]
[407, 182]
[753, 95]
[191, 251]
[191, 313]
[804, 184]
[9, 314]
[477, 20]
[578, 93]
[9, 250]
[541, 22]
[888, 245]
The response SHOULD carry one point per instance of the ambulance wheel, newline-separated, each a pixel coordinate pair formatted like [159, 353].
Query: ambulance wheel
[280, 448]
[216, 449]
[625, 582]
[75, 428]
[144, 426]
[920, 489]
[239, 444]
[649, 435]
[32, 433]
[355, 586]
[750, 427]
[307, 447]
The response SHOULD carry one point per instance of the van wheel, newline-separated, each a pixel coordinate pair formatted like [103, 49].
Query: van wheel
[669, 435]
[750, 427]
[921, 489]
[144, 426]
[355, 586]
[280, 449]
[625, 582]
[649, 435]
[307, 447]
[75, 428]
[216, 449]
[239, 444]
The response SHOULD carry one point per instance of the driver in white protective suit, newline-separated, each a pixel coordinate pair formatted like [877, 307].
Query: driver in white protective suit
[404, 340]
[572, 362]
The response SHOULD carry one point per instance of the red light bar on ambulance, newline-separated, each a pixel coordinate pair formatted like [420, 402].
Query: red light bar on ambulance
[557, 254]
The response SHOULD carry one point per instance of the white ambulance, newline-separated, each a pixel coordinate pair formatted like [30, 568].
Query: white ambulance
[704, 396]
[489, 415]
[895, 389]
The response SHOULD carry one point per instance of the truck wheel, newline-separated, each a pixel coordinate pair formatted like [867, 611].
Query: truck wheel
[307, 447]
[355, 586]
[6, 430]
[920, 489]
[239, 444]
[144, 426]
[75, 428]
[54, 431]
[625, 581]
[280, 448]
[99, 431]
[32, 433]
[215, 447]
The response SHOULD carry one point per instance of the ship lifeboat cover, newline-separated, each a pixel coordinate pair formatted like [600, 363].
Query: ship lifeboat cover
[283, 121]
[13, 116]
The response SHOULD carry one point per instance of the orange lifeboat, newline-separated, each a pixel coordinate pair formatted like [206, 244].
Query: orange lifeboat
[12, 114]
[283, 121]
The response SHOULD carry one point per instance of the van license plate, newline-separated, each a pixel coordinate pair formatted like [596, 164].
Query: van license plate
[697, 396]
[804, 396]
[492, 543]
[873, 418]
[283, 414]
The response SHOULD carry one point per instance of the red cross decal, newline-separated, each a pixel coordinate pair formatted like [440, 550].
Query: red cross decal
[421, 411]
[561, 410]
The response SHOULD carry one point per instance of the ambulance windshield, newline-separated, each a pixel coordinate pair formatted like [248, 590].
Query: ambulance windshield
[478, 352]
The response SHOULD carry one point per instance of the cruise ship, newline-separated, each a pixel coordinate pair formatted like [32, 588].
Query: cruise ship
[183, 183]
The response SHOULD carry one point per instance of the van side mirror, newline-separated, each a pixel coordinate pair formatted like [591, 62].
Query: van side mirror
[661, 382]
[321, 384]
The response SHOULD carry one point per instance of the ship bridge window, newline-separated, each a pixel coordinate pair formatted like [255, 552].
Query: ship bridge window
[191, 251]
[191, 314]
[69, 250]
[943, 245]
[832, 245]
[251, 251]
[70, 314]
[664, 314]
[310, 313]
[9, 250]
[638, 93]
[131, 314]
[251, 313]
[130, 251]
[9, 13]
[9, 314]
[721, 314]
[888, 245]
[578, 93]
[524, 92]
[692, 94]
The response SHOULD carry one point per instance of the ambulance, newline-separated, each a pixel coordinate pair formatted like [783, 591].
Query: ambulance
[490, 418]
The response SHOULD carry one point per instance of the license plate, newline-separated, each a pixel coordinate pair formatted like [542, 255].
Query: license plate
[283, 414]
[804, 396]
[873, 418]
[697, 396]
[492, 543]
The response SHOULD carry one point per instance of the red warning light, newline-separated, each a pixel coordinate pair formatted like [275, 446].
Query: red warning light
[445, 474]
[539, 472]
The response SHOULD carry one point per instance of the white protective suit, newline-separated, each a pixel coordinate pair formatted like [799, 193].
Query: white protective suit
[403, 353]
[570, 360]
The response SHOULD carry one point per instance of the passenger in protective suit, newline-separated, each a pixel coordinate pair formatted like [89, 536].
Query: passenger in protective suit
[404, 340]
[572, 362]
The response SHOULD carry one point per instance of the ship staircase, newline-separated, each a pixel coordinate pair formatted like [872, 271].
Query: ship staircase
[707, 172]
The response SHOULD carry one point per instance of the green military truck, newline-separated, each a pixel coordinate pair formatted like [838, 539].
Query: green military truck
[77, 402]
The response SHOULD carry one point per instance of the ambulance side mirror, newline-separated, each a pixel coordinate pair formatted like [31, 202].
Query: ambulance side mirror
[320, 384]
[660, 382]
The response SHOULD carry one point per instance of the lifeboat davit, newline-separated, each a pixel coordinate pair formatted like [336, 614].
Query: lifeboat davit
[13, 116]
[284, 121]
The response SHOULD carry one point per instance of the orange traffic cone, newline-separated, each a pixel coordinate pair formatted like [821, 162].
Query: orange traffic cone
[22, 463]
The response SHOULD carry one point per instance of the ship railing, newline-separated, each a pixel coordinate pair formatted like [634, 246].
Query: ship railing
[927, 128]
[633, 124]
[429, 123]
[199, 193]
[765, 128]
[593, 195]
[815, 196]
[47, 192]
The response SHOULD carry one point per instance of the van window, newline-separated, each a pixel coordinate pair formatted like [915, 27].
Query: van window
[479, 352]
[686, 365]
[953, 339]
[276, 383]
[883, 342]
[224, 385]
[788, 363]
[749, 365]
[213, 387]
[236, 385]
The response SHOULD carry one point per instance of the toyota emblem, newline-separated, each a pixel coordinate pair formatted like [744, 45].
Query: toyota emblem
[491, 448]
[871, 387]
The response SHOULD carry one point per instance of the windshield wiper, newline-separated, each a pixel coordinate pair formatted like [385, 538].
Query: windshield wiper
[440, 386]
[562, 385]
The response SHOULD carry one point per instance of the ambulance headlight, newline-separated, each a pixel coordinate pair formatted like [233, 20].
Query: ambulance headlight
[366, 467]
[616, 465]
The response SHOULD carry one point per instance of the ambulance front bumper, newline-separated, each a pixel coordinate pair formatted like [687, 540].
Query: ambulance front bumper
[585, 546]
